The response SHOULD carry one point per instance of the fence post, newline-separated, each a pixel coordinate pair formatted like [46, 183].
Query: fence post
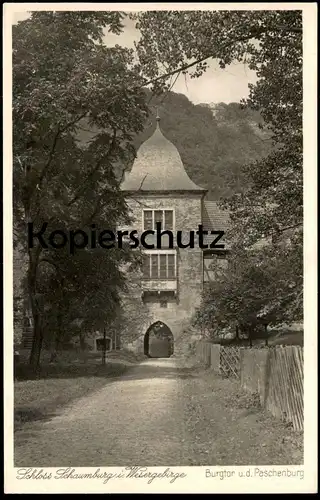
[241, 362]
[267, 374]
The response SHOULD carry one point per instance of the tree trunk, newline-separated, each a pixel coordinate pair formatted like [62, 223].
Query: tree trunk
[114, 335]
[35, 353]
[53, 356]
[82, 341]
[266, 334]
[117, 337]
[56, 345]
[237, 332]
[250, 335]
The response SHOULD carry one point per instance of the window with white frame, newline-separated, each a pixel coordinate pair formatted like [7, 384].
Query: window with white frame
[151, 217]
[212, 264]
[159, 266]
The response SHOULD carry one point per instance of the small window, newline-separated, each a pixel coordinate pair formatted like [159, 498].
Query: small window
[163, 303]
[148, 219]
[163, 266]
[168, 219]
[214, 264]
[158, 218]
[152, 217]
[146, 266]
[154, 266]
[171, 266]
[159, 266]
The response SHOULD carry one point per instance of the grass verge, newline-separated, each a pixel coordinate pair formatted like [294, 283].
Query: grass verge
[39, 396]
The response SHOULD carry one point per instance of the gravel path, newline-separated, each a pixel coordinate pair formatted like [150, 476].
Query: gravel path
[159, 413]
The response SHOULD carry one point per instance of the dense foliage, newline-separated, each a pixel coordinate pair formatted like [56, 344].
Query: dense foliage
[259, 288]
[63, 73]
[270, 42]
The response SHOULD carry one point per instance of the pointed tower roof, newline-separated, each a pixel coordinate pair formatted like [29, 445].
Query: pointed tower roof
[158, 167]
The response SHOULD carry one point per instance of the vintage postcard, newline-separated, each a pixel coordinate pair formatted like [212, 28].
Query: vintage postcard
[160, 247]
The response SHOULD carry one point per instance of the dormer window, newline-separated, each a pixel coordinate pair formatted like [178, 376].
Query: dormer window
[151, 217]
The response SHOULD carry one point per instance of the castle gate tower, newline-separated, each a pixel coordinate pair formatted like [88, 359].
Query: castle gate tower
[158, 189]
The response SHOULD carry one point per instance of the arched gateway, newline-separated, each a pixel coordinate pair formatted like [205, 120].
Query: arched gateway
[158, 341]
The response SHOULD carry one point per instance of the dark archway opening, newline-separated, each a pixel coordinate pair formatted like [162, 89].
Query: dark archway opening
[158, 341]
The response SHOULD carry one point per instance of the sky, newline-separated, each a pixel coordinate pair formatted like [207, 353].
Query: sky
[214, 86]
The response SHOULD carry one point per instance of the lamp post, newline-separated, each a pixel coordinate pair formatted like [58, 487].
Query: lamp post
[104, 347]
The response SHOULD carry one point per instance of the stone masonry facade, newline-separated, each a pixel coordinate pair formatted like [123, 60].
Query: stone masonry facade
[187, 286]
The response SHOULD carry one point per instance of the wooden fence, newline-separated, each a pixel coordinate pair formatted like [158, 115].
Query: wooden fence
[224, 360]
[253, 369]
[230, 361]
[203, 353]
[284, 394]
[275, 373]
